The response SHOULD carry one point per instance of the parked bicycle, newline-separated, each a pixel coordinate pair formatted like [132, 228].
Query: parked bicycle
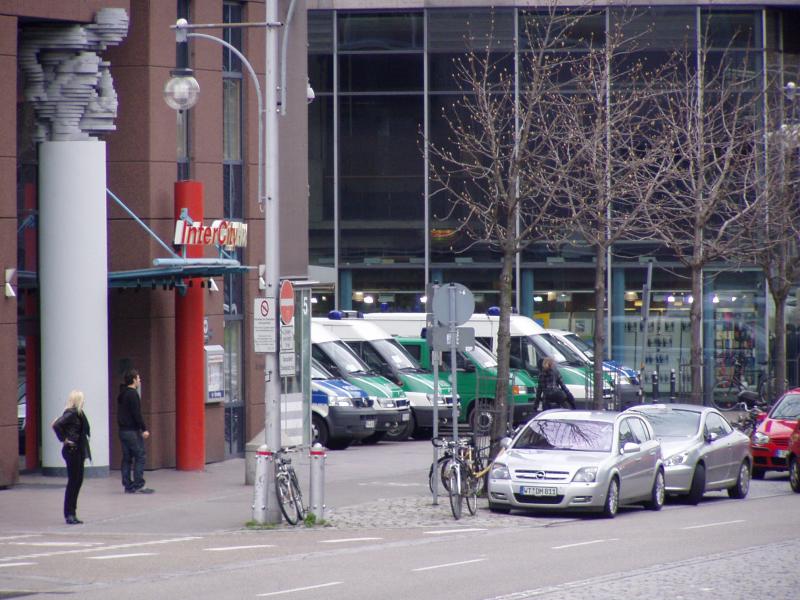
[730, 393]
[287, 487]
[749, 419]
[462, 469]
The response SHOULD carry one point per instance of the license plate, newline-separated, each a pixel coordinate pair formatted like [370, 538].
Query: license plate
[536, 490]
[781, 453]
[369, 424]
[405, 417]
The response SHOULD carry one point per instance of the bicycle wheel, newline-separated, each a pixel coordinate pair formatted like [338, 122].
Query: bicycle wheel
[723, 396]
[285, 490]
[470, 489]
[455, 490]
[444, 466]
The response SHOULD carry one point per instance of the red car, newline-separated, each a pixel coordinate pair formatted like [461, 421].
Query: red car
[794, 458]
[770, 442]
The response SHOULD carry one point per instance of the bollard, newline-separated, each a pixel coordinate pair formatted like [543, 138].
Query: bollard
[317, 485]
[654, 379]
[672, 382]
[260, 493]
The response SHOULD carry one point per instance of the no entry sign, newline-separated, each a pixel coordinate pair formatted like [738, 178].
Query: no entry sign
[287, 302]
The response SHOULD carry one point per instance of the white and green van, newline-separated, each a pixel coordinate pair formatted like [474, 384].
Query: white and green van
[530, 344]
[388, 358]
[476, 368]
[389, 400]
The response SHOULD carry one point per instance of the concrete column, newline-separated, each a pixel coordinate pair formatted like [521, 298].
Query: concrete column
[345, 289]
[618, 315]
[73, 284]
[526, 304]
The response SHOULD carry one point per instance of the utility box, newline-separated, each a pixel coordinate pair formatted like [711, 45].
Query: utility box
[214, 376]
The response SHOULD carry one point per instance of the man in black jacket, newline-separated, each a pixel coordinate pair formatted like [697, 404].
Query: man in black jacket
[132, 434]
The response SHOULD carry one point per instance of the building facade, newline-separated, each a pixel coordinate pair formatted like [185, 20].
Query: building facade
[148, 147]
[383, 72]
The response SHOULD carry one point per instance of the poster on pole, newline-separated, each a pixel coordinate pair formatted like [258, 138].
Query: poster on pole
[264, 325]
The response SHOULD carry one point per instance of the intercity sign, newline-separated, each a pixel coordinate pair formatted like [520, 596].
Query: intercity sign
[220, 232]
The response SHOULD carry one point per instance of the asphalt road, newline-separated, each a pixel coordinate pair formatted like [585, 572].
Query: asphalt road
[388, 541]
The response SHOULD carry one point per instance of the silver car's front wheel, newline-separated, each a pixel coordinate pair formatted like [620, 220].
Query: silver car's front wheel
[612, 500]
[742, 485]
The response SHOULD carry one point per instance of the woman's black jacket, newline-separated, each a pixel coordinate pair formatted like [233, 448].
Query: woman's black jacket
[72, 428]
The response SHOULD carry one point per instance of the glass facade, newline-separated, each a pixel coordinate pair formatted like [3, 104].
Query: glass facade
[384, 80]
[233, 208]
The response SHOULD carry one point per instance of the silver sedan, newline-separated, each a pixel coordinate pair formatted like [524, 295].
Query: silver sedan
[579, 460]
[702, 452]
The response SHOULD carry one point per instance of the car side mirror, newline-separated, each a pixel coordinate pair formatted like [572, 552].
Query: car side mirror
[630, 448]
[505, 443]
[711, 437]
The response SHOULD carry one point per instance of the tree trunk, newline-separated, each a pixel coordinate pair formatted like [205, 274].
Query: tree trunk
[696, 325]
[500, 423]
[599, 326]
[776, 385]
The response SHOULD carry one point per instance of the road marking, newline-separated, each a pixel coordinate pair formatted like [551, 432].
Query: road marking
[226, 548]
[390, 484]
[113, 556]
[302, 589]
[343, 540]
[57, 544]
[455, 564]
[714, 524]
[444, 531]
[95, 549]
[19, 537]
[584, 543]
[19, 564]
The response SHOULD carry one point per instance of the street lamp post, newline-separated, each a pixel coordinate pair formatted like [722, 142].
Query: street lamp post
[181, 93]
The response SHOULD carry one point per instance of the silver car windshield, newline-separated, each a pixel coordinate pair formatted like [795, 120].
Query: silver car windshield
[787, 408]
[558, 434]
[674, 423]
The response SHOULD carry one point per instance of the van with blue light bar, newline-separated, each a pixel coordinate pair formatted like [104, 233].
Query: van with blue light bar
[388, 399]
[530, 344]
[476, 368]
[341, 412]
[386, 356]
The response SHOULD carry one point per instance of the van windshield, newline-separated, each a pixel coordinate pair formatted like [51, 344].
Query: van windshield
[571, 357]
[482, 356]
[396, 356]
[337, 356]
[580, 344]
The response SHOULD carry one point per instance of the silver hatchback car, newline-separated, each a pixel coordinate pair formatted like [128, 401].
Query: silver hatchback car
[702, 452]
[579, 460]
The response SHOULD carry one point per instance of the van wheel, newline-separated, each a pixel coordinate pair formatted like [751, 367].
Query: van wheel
[480, 417]
[319, 430]
[402, 430]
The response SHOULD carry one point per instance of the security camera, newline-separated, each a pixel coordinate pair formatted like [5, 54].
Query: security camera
[310, 93]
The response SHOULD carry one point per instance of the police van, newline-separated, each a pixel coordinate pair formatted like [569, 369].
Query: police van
[388, 358]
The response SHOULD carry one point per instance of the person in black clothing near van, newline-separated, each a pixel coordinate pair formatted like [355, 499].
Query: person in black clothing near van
[552, 388]
[72, 429]
[132, 434]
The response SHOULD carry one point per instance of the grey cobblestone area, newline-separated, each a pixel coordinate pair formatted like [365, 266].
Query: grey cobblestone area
[728, 575]
[419, 511]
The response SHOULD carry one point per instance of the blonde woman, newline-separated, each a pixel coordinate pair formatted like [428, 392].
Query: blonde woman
[551, 391]
[72, 429]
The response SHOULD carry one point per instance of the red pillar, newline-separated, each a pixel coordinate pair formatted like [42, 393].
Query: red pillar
[190, 428]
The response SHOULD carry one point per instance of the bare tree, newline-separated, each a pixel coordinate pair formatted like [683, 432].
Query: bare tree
[775, 245]
[489, 167]
[708, 120]
[607, 164]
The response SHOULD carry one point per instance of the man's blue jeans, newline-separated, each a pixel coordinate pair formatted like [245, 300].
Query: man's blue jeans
[132, 457]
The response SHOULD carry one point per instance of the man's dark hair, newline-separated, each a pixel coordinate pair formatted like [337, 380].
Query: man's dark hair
[130, 376]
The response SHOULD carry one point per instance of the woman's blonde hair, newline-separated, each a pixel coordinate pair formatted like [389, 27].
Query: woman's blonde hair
[548, 363]
[75, 400]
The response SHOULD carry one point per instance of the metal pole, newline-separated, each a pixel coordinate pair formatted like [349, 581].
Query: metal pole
[435, 361]
[272, 275]
[317, 482]
[451, 290]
